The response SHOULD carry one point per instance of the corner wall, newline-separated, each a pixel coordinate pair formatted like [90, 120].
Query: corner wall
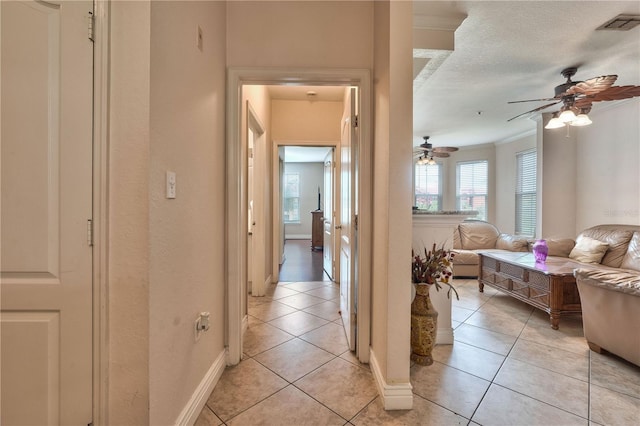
[128, 246]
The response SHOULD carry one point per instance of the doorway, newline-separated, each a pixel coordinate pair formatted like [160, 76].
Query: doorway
[236, 198]
[306, 202]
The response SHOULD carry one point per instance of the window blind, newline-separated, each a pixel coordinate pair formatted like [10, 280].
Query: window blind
[428, 188]
[472, 186]
[526, 199]
[291, 208]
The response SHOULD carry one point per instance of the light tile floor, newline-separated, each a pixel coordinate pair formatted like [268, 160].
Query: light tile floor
[506, 367]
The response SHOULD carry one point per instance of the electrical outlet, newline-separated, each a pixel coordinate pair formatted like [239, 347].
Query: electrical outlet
[171, 185]
[201, 324]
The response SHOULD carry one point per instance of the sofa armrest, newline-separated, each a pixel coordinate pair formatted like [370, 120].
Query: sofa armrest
[621, 281]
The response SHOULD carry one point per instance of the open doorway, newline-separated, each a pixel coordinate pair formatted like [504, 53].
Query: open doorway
[242, 81]
[307, 211]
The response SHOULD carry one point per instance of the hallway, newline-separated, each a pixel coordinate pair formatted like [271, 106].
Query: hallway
[301, 263]
[507, 366]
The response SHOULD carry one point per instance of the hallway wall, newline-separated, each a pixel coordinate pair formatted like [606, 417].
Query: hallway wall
[166, 259]
[187, 254]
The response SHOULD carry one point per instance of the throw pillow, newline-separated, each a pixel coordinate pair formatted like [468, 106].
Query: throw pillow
[588, 250]
[560, 246]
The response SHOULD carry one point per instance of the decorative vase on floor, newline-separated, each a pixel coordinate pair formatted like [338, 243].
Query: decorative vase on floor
[540, 250]
[424, 326]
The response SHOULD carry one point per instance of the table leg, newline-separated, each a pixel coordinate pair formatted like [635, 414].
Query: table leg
[555, 320]
[481, 286]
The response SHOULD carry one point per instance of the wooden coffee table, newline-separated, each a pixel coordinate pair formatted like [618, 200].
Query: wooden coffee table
[548, 286]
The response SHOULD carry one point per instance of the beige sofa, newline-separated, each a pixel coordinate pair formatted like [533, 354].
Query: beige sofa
[610, 293]
[607, 271]
[473, 235]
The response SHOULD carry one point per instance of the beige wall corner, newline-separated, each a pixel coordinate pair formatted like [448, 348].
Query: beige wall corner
[129, 214]
[393, 106]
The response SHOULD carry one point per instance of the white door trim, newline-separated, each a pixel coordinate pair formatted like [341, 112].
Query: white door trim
[235, 238]
[100, 213]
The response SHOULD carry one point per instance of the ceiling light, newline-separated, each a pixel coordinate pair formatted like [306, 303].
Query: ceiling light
[567, 116]
[582, 119]
[554, 123]
[431, 161]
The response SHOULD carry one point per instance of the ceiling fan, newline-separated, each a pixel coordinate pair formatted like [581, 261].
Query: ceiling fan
[577, 97]
[426, 152]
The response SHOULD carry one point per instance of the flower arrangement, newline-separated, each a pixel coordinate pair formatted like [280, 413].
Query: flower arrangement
[434, 268]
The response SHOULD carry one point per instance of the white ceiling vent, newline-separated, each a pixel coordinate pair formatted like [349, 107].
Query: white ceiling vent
[621, 23]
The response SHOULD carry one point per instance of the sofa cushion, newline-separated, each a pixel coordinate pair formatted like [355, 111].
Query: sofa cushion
[560, 246]
[588, 250]
[631, 259]
[478, 234]
[512, 243]
[621, 281]
[456, 239]
[616, 236]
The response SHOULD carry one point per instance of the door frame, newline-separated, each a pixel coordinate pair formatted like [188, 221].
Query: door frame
[277, 196]
[235, 236]
[101, 212]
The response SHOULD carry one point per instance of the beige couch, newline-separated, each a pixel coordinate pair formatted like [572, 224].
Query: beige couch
[473, 235]
[607, 262]
[610, 292]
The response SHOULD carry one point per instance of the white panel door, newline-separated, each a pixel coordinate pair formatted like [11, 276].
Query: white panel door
[46, 186]
[328, 241]
[347, 226]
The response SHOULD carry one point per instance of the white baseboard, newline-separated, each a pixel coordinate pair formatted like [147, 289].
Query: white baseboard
[297, 237]
[394, 397]
[196, 403]
[444, 336]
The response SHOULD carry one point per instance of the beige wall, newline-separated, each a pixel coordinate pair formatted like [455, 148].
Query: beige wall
[505, 188]
[556, 181]
[306, 121]
[165, 256]
[187, 111]
[608, 175]
[320, 34]
[392, 179]
[128, 309]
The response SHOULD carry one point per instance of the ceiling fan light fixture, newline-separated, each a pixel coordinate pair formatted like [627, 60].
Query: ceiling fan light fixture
[567, 116]
[431, 161]
[554, 123]
[581, 120]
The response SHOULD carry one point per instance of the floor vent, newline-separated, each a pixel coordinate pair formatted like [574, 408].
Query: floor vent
[621, 23]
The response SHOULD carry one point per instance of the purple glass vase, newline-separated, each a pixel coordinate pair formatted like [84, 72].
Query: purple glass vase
[540, 250]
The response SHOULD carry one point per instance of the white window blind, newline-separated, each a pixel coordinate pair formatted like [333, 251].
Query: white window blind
[472, 186]
[526, 193]
[428, 188]
[291, 208]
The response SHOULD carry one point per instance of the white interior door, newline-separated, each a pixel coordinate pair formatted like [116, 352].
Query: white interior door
[257, 203]
[347, 226]
[329, 242]
[46, 186]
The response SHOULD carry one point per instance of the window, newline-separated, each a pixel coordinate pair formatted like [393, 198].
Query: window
[472, 187]
[291, 208]
[526, 193]
[427, 190]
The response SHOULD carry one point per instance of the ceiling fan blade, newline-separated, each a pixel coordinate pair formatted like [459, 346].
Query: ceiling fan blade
[532, 100]
[592, 86]
[613, 93]
[534, 110]
[440, 154]
[445, 149]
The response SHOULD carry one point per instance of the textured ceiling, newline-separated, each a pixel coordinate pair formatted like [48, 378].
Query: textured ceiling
[504, 51]
[515, 50]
